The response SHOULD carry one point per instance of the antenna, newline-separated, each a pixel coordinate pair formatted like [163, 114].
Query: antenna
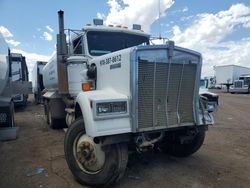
[159, 9]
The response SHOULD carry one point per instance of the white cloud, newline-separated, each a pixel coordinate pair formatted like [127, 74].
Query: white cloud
[207, 32]
[49, 29]
[186, 18]
[13, 42]
[185, 9]
[8, 36]
[5, 32]
[100, 15]
[129, 12]
[47, 36]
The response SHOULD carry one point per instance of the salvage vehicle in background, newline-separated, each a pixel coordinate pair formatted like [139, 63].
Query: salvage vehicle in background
[6, 102]
[19, 73]
[116, 90]
[242, 85]
[226, 74]
[8, 88]
[37, 81]
[212, 99]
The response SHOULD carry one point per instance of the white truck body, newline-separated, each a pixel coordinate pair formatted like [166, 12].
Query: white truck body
[6, 104]
[37, 80]
[228, 73]
[4, 66]
[114, 89]
[9, 87]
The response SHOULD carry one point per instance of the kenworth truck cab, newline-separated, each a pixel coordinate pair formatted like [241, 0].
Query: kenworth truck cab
[116, 91]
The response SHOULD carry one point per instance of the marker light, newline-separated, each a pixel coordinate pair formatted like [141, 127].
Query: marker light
[86, 86]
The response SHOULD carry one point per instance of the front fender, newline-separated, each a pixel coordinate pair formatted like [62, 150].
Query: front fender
[106, 126]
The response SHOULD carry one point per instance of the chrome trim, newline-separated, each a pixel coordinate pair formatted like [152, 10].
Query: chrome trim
[110, 115]
[134, 86]
[153, 97]
[133, 89]
[166, 127]
[196, 93]
[178, 97]
[169, 58]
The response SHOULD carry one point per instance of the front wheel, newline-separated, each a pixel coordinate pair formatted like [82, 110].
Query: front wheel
[175, 148]
[91, 163]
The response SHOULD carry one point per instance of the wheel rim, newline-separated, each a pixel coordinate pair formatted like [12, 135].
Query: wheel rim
[88, 155]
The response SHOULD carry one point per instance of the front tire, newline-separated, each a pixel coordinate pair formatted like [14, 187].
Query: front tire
[175, 148]
[91, 163]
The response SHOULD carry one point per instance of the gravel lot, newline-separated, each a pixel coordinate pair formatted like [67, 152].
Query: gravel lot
[223, 160]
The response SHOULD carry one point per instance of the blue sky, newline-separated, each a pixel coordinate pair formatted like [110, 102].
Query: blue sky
[220, 30]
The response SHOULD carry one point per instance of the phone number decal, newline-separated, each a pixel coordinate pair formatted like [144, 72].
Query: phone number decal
[115, 59]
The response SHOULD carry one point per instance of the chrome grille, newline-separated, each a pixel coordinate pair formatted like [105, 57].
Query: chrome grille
[165, 94]
[238, 84]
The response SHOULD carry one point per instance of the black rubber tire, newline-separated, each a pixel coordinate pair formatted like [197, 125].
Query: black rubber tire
[175, 148]
[116, 157]
[46, 111]
[36, 99]
[52, 121]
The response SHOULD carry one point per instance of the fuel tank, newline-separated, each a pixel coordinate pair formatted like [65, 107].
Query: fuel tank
[4, 64]
[76, 70]
[50, 78]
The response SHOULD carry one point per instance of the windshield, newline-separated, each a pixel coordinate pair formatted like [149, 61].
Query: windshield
[203, 83]
[100, 42]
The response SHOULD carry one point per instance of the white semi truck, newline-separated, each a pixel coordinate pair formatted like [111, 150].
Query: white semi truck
[117, 92]
[241, 85]
[6, 102]
[19, 73]
[37, 81]
[8, 87]
[226, 74]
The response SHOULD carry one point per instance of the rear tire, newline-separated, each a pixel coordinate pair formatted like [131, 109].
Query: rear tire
[52, 122]
[175, 148]
[102, 166]
[36, 98]
[46, 111]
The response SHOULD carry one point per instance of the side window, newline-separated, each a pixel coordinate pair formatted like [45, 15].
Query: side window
[78, 46]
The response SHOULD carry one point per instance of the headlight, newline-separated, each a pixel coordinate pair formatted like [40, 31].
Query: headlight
[111, 108]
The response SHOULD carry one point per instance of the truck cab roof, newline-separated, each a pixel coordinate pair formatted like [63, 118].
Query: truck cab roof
[99, 40]
[115, 29]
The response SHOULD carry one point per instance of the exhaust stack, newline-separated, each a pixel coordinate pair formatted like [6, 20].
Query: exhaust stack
[61, 37]
[61, 56]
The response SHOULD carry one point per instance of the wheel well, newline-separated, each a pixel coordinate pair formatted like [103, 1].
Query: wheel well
[78, 111]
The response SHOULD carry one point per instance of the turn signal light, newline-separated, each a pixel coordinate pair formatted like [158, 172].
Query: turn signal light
[86, 86]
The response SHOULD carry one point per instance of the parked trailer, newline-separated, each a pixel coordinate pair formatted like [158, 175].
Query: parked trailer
[115, 89]
[37, 81]
[19, 73]
[6, 102]
[227, 74]
[8, 88]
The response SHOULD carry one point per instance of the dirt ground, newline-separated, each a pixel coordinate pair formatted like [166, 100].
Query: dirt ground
[223, 160]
